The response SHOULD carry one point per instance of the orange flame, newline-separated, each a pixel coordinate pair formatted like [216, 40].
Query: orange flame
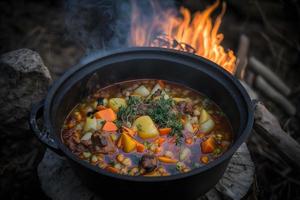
[196, 34]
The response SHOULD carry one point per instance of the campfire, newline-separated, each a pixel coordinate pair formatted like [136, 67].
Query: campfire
[194, 33]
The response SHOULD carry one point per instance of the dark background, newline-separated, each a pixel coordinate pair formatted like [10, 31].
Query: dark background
[271, 25]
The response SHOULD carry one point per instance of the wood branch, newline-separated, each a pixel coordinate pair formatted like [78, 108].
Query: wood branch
[242, 57]
[275, 96]
[270, 76]
[250, 92]
[269, 128]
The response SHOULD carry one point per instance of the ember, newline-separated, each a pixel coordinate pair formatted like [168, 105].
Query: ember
[191, 33]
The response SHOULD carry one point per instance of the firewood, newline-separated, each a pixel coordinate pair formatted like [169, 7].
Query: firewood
[242, 57]
[270, 76]
[275, 96]
[267, 126]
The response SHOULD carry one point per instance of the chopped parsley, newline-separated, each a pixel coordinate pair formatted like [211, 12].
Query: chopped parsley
[162, 111]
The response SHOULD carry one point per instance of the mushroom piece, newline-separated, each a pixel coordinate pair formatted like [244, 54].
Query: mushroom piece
[148, 162]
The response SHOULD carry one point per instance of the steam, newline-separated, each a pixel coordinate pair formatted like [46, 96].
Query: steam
[104, 25]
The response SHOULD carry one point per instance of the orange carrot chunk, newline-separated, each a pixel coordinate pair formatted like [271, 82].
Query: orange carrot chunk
[106, 114]
[110, 126]
[140, 147]
[120, 142]
[160, 140]
[129, 131]
[161, 83]
[164, 131]
[189, 140]
[112, 169]
[208, 145]
[165, 159]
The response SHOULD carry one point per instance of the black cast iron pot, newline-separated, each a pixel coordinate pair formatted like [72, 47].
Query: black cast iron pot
[143, 63]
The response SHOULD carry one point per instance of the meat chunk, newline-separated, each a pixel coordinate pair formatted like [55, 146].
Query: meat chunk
[148, 162]
[185, 107]
[99, 140]
[102, 143]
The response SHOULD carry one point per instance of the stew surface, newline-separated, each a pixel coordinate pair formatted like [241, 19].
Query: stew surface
[148, 128]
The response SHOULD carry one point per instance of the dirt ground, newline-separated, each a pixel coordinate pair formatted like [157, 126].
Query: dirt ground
[273, 30]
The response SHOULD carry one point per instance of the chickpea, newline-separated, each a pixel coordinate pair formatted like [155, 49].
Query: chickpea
[133, 171]
[100, 157]
[118, 166]
[204, 159]
[152, 147]
[124, 170]
[169, 154]
[127, 162]
[186, 170]
[162, 170]
[78, 116]
[120, 158]
[102, 164]
[196, 112]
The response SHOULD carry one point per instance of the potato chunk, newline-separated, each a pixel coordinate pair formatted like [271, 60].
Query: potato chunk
[116, 103]
[142, 91]
[145, 127]
[129, 144]
[206, 121]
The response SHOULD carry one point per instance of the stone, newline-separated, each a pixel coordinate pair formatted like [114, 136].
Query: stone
[59, 181]
[24, 80]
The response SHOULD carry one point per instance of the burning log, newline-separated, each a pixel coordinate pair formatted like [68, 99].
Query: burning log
[270, 92]
[270, 76]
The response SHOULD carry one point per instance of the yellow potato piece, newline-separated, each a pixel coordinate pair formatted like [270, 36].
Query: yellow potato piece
[142, 91]
[145, 127]
[207, 126]
[116, 103]
[204, 116]
[129, 144]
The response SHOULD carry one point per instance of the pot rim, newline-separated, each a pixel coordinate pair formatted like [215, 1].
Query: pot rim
[245, 132]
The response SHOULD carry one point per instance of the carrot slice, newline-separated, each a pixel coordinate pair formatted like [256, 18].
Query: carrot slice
[161, 83]
[160, 140]
[189, 140]
[164, 131]
[112, 169]
[129, 131]
[140, 147]
[109, 126]
[166, 159]
[106, 114]
[208, 145]
[120, 142]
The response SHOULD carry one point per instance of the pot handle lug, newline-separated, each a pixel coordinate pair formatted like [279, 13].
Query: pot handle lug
[43, 135]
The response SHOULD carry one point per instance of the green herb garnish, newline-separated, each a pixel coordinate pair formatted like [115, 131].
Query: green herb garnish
[163, 114]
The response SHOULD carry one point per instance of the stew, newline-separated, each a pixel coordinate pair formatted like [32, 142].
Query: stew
[148, 128]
